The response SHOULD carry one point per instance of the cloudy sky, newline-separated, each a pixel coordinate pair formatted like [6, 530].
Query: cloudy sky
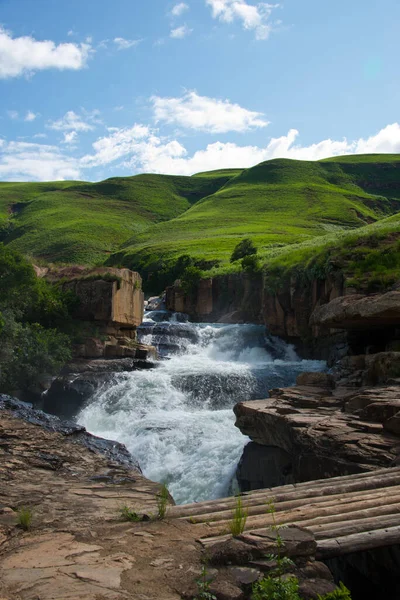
[91, 89]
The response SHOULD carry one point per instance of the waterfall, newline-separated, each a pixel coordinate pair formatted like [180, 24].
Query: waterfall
[177, 419]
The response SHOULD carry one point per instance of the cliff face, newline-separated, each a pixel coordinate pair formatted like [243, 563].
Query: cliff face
[245, 297]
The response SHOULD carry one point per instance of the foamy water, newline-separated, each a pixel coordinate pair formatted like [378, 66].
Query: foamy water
[177, 419]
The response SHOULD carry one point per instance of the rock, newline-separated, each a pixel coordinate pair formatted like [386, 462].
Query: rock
[76, 433]
[231, 551]
[245, 576]
[393, 424]
[359, 312]
[314, 570]
[319, 439]
[321, 380]
[312, 589]
[223, 590]
[262, 467]
[297, 541]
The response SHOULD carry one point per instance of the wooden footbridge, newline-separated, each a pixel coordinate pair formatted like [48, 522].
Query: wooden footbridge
[346, 514]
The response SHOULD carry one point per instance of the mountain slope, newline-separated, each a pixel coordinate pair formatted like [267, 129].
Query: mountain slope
[275, 203]
[79, 222]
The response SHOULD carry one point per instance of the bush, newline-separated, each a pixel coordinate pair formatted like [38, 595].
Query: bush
[251, 264]
[271, 588]
[239, 518]
[242, 249]
[342, 593]
[28, 352]
[33, 316]
[24, 518]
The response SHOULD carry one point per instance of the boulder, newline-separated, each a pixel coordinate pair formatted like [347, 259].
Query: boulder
[318, 438]
[359, 312]
[321, 380]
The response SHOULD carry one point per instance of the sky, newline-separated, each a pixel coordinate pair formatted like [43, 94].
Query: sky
[91, 89]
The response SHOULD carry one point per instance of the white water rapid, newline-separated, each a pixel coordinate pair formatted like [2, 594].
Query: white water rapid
[177, 419]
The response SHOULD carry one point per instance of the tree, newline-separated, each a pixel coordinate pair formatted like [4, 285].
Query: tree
[242, 249]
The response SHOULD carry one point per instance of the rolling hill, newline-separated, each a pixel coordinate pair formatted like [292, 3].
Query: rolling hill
[79, 222]
[292, 210]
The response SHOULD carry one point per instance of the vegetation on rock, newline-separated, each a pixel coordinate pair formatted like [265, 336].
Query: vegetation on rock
[34, 318]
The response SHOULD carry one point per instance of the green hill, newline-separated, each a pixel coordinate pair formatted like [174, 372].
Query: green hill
[292, 210]
[275, 203]
[78, 222]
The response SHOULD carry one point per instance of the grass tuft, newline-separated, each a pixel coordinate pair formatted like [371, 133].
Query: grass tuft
[24, 518]
[239, 518]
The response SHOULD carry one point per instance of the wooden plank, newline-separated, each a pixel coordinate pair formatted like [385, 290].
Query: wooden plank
[386, 479]
[262, 510]
[348, 527]
[343, 509]
[358, 542]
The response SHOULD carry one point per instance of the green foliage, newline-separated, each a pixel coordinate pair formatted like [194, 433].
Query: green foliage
[239, 518]
[127, 514]
[33, 316]
[162, 502]
[251, 264]
[24, 518]
[243, 249]
[203, 586]
[341, 593]
[275, 588]
[28, 352]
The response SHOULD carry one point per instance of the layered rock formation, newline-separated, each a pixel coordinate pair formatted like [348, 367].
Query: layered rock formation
[110, 302]
[311, 432]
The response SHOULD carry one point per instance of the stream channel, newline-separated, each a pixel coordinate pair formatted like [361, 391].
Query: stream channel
[177, 419]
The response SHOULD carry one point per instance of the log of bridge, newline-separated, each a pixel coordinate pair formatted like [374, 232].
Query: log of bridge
[285, 511]
[311, 516]
[325, 487]
[331, 548]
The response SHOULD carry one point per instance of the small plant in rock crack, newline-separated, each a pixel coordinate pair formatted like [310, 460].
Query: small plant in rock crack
[24, 518]
[127, 514]
[203, 587]
[162, 502]
[239, 518]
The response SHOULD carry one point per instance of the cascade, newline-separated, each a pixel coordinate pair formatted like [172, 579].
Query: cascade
[177, 419]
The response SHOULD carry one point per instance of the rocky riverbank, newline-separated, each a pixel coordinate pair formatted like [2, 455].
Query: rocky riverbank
[76, 545]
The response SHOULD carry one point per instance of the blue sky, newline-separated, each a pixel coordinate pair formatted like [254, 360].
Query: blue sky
[91, 89]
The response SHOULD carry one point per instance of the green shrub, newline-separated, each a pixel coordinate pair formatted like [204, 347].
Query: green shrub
[239, 518]
[251, 264]
[242, 249]
[162, 501]
[127, 514]
[276, 588]
[203, 586]
[24, 518]
[342, 593]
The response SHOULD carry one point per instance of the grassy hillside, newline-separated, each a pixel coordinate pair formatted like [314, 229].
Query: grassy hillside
[302, 215]
[78, 222]
[275, 203]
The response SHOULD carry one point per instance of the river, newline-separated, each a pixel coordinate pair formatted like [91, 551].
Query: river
[177, 419]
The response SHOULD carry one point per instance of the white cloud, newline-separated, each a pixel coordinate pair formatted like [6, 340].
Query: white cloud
[71, 122]
[120, 143]
[253, 17]
[179, 9]
[13, 114]
[25, 55]
[142, 150]
[123, 44]
[70, 138]
[180, 32]
[39, 136]
[22, 161]
[30, 116]
[206, 114]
